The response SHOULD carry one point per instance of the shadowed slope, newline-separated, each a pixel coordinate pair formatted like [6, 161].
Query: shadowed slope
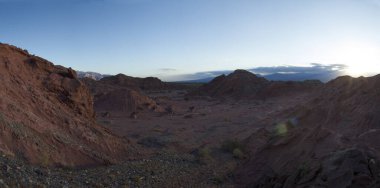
[331, 141]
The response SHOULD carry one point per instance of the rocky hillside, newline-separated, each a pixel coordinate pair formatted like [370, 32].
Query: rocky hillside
[238, 84]
[149, 83]
[330, 141]
[119, 97]
[47, 117]
[288, 88]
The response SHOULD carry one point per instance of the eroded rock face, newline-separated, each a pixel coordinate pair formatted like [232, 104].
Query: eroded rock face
[47, 116]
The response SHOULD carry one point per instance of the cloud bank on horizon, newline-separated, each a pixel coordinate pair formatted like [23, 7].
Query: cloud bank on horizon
[296, 73]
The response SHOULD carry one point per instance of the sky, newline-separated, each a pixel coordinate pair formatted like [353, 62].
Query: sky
[170, 38]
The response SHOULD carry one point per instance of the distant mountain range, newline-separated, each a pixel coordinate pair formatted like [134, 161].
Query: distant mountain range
[323, 77]
[299, 76]
[92, 75]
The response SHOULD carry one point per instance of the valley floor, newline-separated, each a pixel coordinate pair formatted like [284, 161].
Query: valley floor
[186, 148]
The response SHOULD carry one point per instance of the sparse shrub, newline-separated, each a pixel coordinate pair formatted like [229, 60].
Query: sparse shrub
[293, 122]
[104, 122]
[303, 170]
[238, 154]
[188, 116]
[231, 145]
[204, 155]
[153, 142]
[105, 114]
[45, 159]
[2, 119]
[282, 129]
[234, 147]
[157, 129]
[138, 179]
[227, 120]
[218, 180]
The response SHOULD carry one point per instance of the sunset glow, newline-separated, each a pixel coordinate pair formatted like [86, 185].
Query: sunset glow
[362, 58]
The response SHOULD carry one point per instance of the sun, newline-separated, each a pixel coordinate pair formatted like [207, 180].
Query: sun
[362, 58]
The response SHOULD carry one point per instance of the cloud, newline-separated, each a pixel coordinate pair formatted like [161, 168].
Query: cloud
[314, 71]
[196, 76]
[167, 70]
[315, 68]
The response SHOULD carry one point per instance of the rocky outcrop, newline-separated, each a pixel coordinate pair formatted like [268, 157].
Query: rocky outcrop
[47, 116]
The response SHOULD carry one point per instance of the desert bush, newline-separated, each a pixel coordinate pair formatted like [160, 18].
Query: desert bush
[153, 142]
[2, 119]
[303, 170]
[104, 122]
[218, 180]
[188, 116]
[235, 148]
[204, 155]
[227, 120]
[238, 154]
[138, 179]
[45, 159]
[283, 128]
[231, 145]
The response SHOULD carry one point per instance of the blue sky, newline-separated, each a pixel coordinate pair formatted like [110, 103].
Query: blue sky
[167, 38]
